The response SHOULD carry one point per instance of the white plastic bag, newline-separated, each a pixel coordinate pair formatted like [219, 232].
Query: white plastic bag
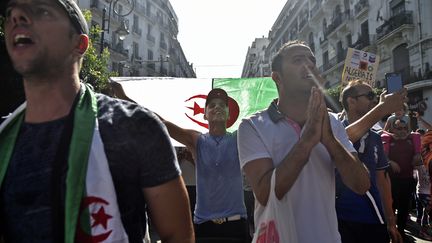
[275, 222]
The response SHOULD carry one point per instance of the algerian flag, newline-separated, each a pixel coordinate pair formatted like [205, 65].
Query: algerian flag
[91, 210]
[181, 100]
[252, 94]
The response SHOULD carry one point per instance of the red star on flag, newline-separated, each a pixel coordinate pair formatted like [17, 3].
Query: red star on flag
[100, 218]
[197, 109]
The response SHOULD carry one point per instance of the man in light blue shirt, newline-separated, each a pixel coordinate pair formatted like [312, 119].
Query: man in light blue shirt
[220, 211]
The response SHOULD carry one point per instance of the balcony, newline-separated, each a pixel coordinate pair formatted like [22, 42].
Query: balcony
[329, 64]
[323, 41]
[120, 49]
[337, 21]
[136, 57]
[361, 7]
[362, 42]
[394, 23]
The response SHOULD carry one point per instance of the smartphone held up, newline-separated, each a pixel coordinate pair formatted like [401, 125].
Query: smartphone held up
[393, 82]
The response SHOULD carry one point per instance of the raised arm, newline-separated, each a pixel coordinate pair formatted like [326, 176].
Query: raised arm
[353, 172]
[388, 104]
[187, 137]
[168, 206]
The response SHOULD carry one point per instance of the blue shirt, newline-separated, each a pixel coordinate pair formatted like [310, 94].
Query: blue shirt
[219, 180]
[351, 206]
[26, 205]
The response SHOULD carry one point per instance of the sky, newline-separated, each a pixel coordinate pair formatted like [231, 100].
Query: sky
[215, 34]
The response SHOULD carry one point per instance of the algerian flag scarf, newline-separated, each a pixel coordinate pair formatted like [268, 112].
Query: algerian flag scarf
[91, 210]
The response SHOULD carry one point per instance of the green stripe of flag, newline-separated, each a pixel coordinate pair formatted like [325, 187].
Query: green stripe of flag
[79, 151]
[251, 94]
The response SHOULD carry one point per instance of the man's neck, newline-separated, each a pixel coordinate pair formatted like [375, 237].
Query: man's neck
[294, 109]
[217, 129]
[49, 99]
[352, 117]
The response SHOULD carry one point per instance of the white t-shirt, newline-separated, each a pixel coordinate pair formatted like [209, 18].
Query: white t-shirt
[312, 196]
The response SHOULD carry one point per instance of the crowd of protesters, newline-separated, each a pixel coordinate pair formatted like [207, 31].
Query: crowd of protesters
[315, 175]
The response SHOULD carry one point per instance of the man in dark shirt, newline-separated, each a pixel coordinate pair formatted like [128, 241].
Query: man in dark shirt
[370, 217]
[76, 166]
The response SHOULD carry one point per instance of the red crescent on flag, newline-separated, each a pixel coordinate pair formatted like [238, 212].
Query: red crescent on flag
[81, 235]
[233, 107]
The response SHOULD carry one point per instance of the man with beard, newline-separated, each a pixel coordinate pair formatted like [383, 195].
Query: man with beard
[296, 145]
[76, 166]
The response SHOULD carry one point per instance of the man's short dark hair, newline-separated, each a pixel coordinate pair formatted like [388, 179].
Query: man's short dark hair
[350, 91]
[276, 65]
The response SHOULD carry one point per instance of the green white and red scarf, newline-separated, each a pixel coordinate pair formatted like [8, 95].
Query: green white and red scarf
[91, 209]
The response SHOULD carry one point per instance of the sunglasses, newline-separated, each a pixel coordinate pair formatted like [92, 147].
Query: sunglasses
[369, 95]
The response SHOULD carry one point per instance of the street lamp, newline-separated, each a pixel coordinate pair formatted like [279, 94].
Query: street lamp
[122, 31]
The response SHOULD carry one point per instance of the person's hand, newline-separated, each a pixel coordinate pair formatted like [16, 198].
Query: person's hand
[394, 233]
[327, 132]
[314, 118]
[393, 102]
[416, 114]
[394, 166]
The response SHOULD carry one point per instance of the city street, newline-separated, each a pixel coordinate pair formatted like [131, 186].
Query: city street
[412, 232]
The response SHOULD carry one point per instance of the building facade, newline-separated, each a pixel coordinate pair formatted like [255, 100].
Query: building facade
[256, 64]
[399, 31]
[151, 48]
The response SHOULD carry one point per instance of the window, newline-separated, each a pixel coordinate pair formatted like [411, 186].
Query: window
[365, 30]
[311, 42]
[148, 9]
[149, 54]
[162, 37]
[114, 38]
[325, 59]
[135, 22]
[149, 28]
[349, 40]
[324, 23]
[136, 50]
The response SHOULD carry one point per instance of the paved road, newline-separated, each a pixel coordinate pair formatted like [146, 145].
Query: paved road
[412, 231]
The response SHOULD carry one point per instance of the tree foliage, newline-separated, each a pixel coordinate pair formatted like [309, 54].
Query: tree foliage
[95, 67]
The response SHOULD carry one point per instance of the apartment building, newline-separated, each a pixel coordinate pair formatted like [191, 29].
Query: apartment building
[399, 31]
[151, 48]
[256, 64]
